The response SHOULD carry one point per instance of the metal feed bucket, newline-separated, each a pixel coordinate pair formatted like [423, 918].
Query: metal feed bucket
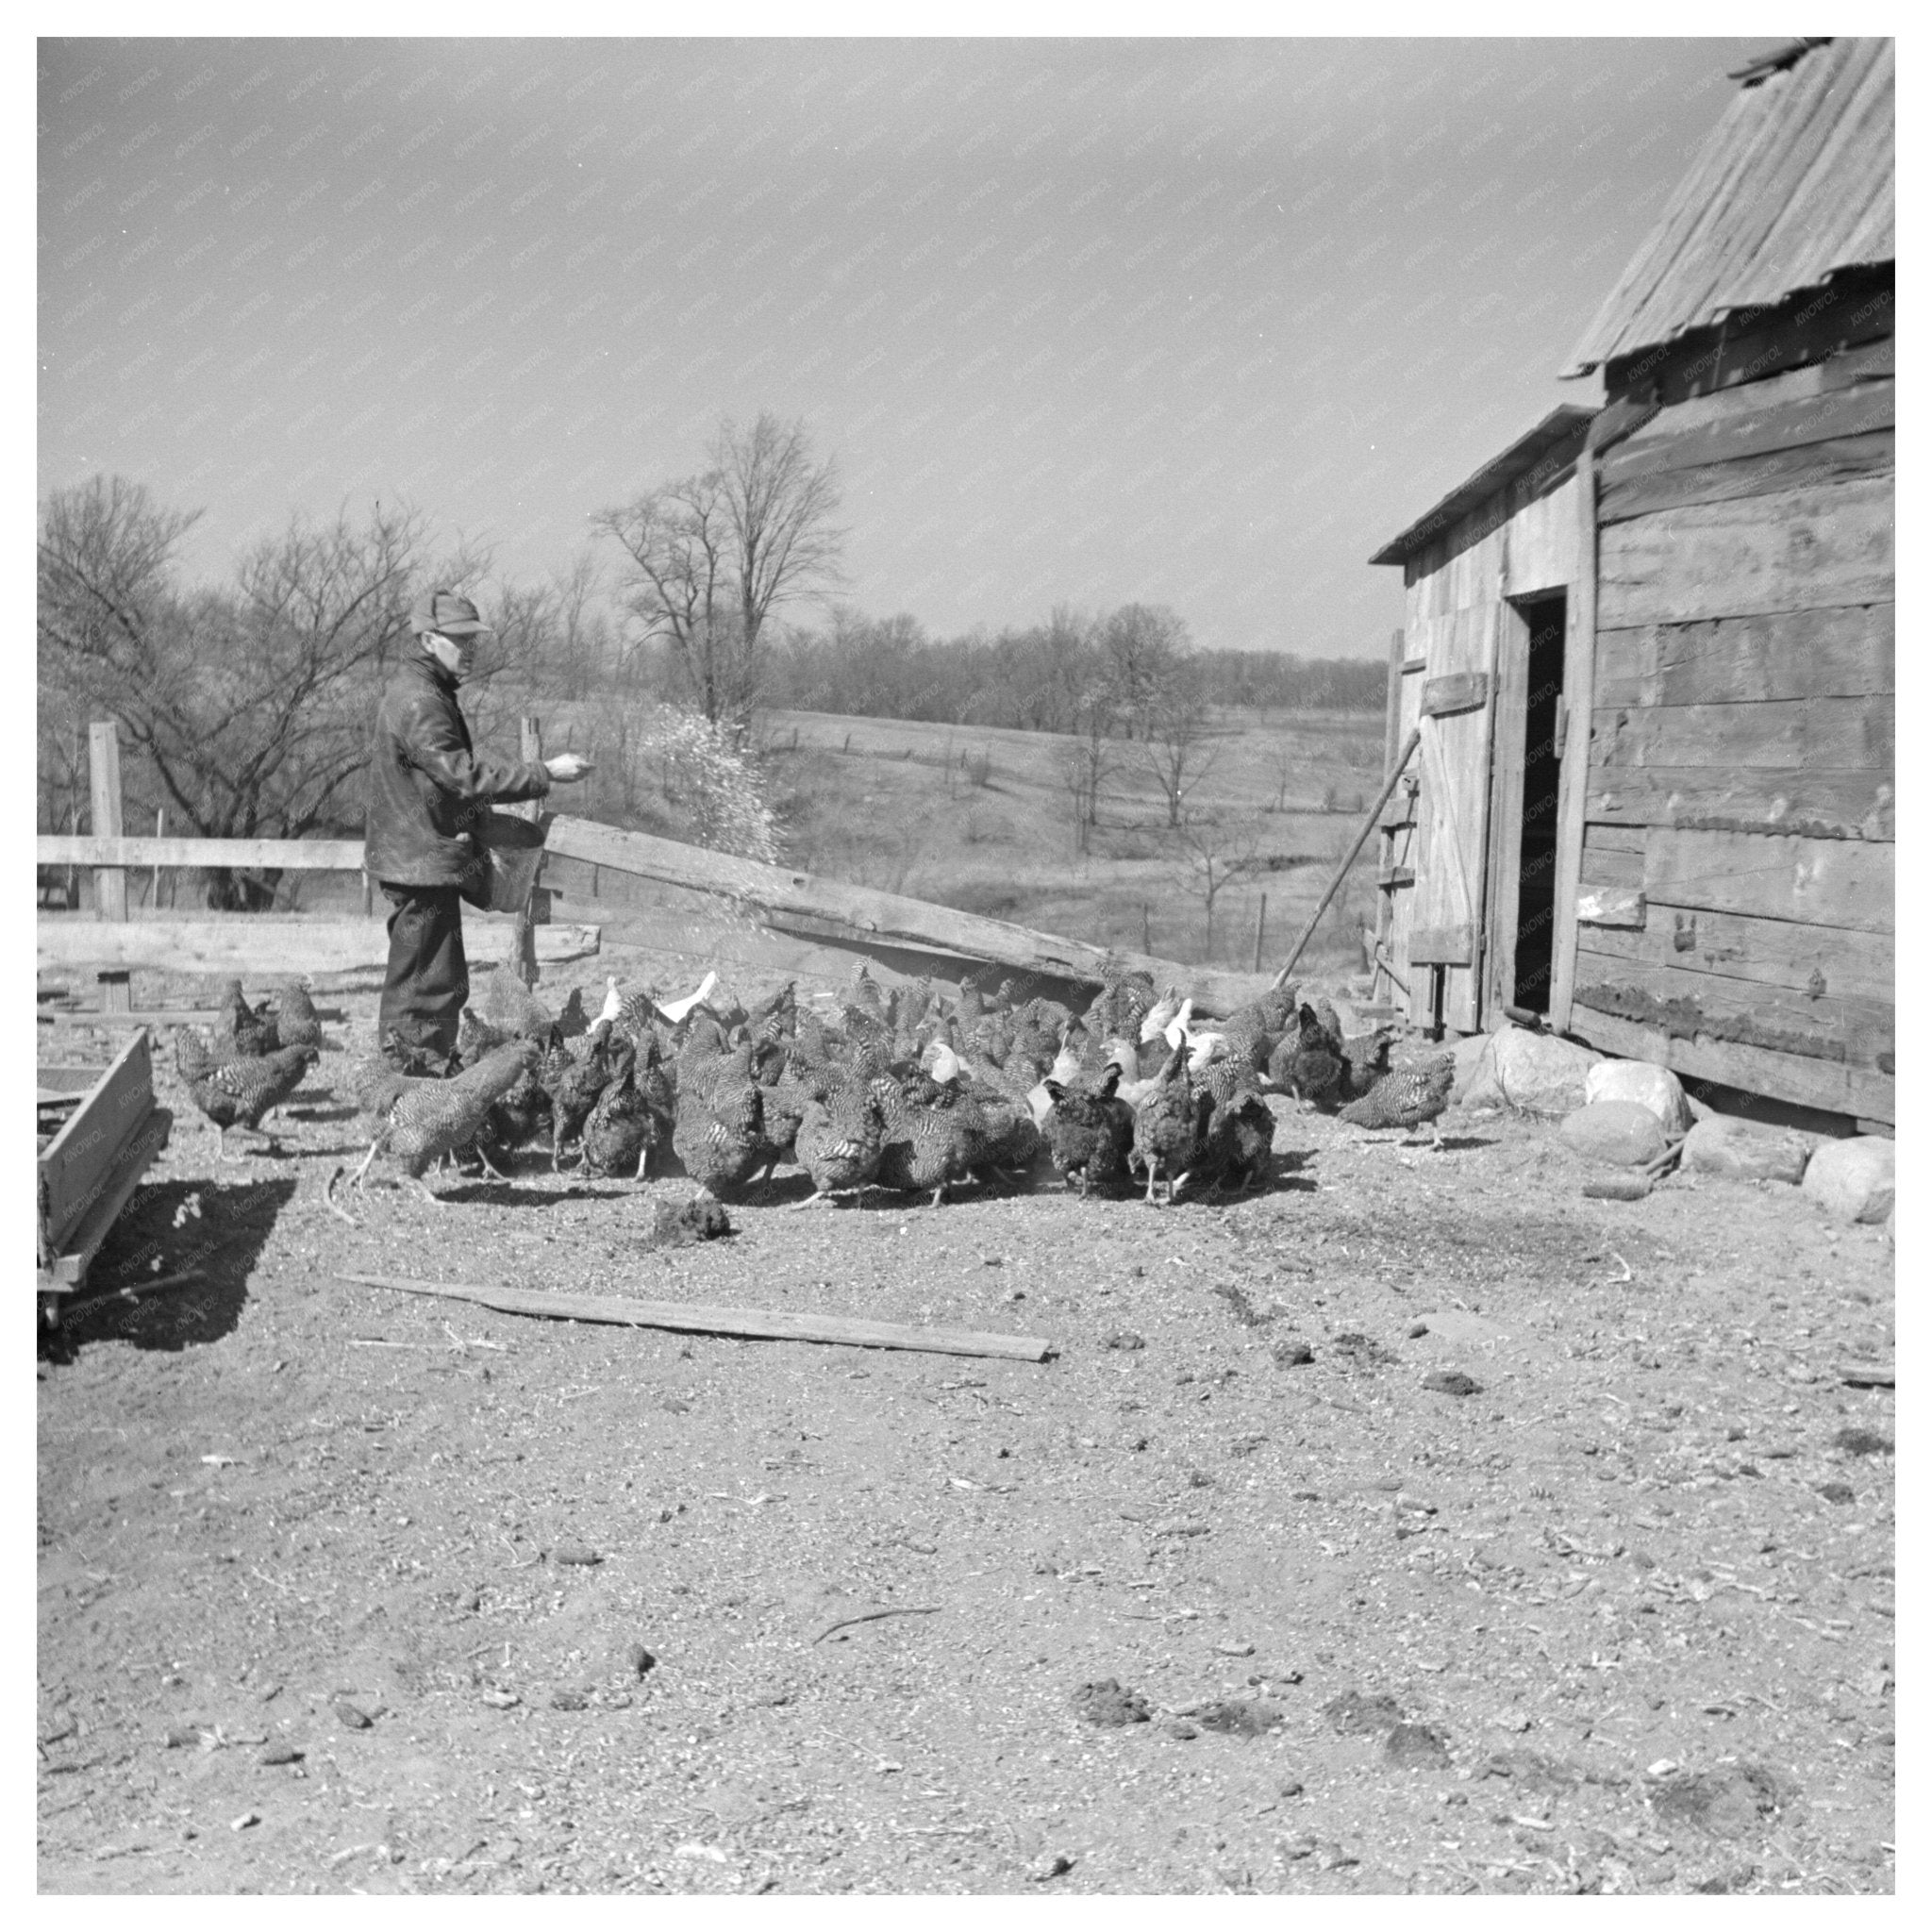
[512, 849]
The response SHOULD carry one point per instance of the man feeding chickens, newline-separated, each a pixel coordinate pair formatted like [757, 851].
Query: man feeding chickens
[426, 791]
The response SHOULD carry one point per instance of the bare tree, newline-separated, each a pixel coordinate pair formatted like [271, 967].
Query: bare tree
[1174, 744]
[253, 706]
[1089, 760]
[713, 555]
[1215, 853]
[1141, 645]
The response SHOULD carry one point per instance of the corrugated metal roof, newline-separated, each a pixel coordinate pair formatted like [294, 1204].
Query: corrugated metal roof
[1563, 423]
[1795, 183]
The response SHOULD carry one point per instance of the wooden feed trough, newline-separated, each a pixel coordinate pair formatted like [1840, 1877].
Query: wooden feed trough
[90, 1161]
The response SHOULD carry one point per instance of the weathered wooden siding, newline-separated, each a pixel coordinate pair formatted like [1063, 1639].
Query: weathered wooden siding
[1518, 544]
[1742, 746]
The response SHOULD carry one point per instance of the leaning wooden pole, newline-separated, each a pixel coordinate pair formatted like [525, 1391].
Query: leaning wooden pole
[1361, 839]
[1392, 743]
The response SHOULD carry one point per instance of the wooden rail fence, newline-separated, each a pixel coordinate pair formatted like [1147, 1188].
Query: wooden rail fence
[795, 901]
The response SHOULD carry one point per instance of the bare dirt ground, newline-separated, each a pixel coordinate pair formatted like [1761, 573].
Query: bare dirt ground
[1424, 1525]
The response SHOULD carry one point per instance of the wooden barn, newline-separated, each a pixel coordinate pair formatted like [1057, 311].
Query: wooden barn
[1650, 646]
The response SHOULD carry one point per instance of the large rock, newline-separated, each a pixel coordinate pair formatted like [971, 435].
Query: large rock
[1537, 1073]
[1747, 1150]
[1655, 1088]
[1475, 1073]
[1853, 1179]
[1624, 1133]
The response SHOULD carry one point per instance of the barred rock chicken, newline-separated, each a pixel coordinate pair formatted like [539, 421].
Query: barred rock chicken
[296, 1022]
[509, 1007]
[1089, 1134]
[1308, 1064]
[1410, 1097]
[1039, 1031]
[657, 1088]
[839, 1142]
[775, 1020]
[371, 1082]
[238, 1092]
[1002, 1141]
[249, 1030]
[428, 1119]
[1118, 1008]
[1238, 1149]
[927, 1141]
[476, 1036]
[1329, 1020]
[718, 1133]
[637, 1016]
[194, 1055]
[622, 1128]
[914, 1004]
[864, 994]
[1168, 1123]
[574, 1081]
[1252, 1032]
[517, 1117]
[969, 1003]
[1367, 1060]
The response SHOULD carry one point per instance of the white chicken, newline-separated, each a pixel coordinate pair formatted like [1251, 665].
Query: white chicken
[675, 1010]
[612, 1008]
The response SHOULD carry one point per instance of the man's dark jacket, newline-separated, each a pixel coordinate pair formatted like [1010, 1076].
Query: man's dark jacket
[425, 783]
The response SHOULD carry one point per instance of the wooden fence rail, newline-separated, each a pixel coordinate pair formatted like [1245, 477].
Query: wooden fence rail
[282, 855]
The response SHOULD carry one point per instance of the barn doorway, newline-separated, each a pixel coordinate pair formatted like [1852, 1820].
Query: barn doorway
[1536, 874]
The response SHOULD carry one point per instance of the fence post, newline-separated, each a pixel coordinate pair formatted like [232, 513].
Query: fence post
[537, 906]
[160, 832]
[110, 881]
[1260, 928]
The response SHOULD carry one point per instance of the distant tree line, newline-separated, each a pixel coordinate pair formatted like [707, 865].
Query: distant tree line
[1043, 677]
[1035, 677]
[245, 706]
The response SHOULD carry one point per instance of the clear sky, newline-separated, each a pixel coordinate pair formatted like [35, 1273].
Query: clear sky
[1190, 322]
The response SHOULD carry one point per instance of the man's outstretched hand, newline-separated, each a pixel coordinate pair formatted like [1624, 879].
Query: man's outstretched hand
[566, 768]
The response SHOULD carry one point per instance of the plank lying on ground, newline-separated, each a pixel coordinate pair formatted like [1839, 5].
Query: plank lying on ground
[775, 1325]
[1869, 1374]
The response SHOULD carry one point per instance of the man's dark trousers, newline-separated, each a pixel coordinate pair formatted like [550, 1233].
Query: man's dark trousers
[429, 977]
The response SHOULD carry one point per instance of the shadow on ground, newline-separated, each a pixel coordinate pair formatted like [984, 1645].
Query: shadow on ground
[216, 1230]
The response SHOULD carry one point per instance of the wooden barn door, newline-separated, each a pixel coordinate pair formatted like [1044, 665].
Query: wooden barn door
[1458, 710]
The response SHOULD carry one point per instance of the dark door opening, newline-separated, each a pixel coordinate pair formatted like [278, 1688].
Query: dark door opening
[1535, 902]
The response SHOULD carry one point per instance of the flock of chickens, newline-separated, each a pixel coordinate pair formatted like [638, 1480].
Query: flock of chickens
[915, 1090]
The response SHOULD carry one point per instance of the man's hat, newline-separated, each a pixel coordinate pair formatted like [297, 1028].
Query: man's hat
[446, 613]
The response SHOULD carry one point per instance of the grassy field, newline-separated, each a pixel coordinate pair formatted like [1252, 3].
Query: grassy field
[984, 821]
